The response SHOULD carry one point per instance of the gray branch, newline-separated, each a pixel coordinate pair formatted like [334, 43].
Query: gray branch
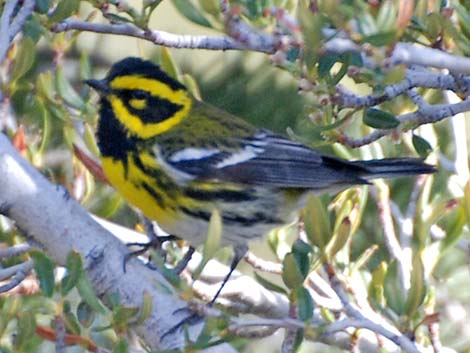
[263, 43]
[9, 26]
[45, 214]
[409, 121]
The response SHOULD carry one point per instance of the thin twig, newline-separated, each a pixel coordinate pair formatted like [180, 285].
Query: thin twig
[19, 273]
[14, 250]
[382, 198]
[59, 334]
[5, 27]
[403, 54]
[361, 321]
[410, 121]
[20, 19]
[414, 77]
[168, 39]
[262, 265]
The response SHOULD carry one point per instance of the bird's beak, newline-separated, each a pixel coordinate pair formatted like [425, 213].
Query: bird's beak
[101, 86]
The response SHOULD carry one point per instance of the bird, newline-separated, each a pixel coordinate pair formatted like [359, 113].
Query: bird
[178, 159]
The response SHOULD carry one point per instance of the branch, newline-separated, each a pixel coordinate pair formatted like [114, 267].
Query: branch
[409, 121]
[10, 27]
[403, 54]
[5, 27]
[359, 320]
[265, 43]
[59, 225]
[413, 78]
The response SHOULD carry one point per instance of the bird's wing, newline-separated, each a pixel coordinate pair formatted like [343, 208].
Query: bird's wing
[267, 159]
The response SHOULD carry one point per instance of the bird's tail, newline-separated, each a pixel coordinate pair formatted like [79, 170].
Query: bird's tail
[393, 167]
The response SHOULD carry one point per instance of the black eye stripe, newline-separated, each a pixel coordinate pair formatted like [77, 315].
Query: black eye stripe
[139, 94]
[156, 110]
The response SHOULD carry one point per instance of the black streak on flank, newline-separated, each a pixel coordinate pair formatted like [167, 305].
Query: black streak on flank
[220, 195]
[257, 217]
[206, 216]
[156, 196]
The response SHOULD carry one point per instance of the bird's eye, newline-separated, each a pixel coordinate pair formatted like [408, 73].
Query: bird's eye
[140, 94]
[139, 99]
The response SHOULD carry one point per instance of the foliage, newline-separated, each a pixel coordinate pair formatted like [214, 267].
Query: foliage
[392, 256]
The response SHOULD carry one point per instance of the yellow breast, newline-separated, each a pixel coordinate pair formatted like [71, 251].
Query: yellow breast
[140, 189]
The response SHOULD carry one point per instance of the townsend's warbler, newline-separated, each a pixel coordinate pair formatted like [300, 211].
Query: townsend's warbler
[177, 159]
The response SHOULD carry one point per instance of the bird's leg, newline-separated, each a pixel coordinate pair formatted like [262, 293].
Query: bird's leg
[156, 242]
[239, 252]
[181, 265]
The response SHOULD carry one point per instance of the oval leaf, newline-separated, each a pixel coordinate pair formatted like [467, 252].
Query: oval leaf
[317, 223]
[393, 289]
[24, 59]
[85, 314]
[45, 271]
[74, 272]
[380, 119]
[188, 10]
[291, 274]
[421, 145]
[417, 290]
[305, 304]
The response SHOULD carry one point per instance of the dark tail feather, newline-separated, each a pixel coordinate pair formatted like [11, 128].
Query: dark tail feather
[393, 167]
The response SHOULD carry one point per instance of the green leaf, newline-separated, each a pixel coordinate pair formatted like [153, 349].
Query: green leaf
[269, 285]
[85, 66]
[212, 243]
[45, 86]
[26, 330]
[379, 119]
[393, 290]
[33, 29]
[121, 346]
[46, 125]
[71, 323]
[188, 10]
[24, 59]
[421, 145]
[168, 63]
[454, 232]
[380, 39]
[291, 274]
[317, 223]
[376, 287]
[63, 10]
[66, 91]
[325, 63]
[85, 314]
[340, 237]
[88, 295]
[117, 19]
[311, 25]
[145, 309]
[44, 268]
[304, 304]
[192, 86]
[301, 251]
[42, 5]
[74, 272]
[210, 6]
[417, 290]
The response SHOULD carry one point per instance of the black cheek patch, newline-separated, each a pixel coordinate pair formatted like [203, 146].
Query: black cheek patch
[157, 110]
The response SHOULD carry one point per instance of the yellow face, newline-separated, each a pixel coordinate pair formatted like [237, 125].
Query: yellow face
[147, 107]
